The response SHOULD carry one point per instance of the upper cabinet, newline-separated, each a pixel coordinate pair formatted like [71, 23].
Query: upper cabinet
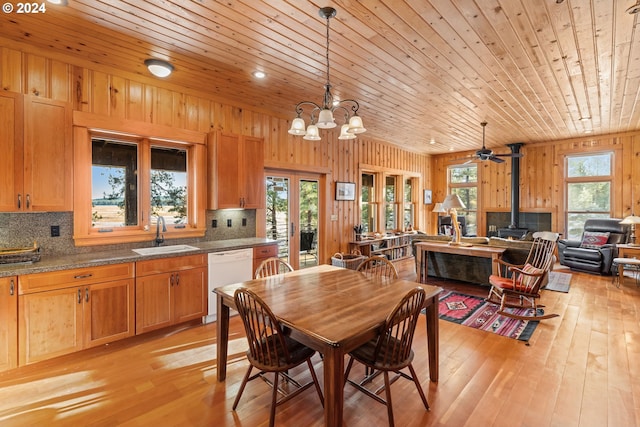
[36, 168]
[236, 171]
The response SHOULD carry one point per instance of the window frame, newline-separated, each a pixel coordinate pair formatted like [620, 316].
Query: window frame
[451, 186]
[379, 203]
[87, 126]
[585, 180]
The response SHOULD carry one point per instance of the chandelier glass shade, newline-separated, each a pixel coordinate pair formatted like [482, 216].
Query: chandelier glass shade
[322, 116]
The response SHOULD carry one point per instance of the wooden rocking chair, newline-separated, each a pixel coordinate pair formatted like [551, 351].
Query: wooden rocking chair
[520, 285]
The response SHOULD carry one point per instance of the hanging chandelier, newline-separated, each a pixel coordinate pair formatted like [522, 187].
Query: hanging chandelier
[322, 116]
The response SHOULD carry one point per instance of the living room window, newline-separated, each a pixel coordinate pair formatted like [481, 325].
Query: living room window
[409, 208]
[368, 202]
[588, 180]
[463, 181]
[391, 202]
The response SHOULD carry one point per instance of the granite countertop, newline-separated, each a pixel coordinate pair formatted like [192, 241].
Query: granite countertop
[92, 259]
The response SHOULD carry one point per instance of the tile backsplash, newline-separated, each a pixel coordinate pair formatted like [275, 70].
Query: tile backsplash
[22, 229]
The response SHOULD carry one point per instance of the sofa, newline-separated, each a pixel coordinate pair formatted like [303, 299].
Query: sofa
[467, 268]
[595, 251]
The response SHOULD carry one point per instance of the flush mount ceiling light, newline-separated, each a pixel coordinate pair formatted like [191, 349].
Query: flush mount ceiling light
[322, 115]
[158, 67]
[259, 74]
[634, 9]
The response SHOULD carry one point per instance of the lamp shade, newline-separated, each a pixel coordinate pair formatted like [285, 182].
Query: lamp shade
[297, 126]
[325, 119]
[344, 132]
[452, 201]
[356, 125]
[313, 134]
[631, 219]
[438, 208]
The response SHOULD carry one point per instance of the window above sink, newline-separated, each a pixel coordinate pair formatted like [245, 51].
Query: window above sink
[127, 176]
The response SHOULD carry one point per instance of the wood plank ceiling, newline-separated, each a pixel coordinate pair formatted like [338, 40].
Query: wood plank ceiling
[423, 70]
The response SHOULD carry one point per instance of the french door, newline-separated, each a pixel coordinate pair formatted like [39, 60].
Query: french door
[292, 216]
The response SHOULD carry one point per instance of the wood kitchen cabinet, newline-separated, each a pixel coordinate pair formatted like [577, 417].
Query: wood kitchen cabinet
[66, 311]
[8, 323]
[170, 291]
[260, 253]
[236, 171]
[36, 165]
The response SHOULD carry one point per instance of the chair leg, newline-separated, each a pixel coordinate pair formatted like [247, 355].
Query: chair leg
[274, 400]
[387, 386]
[315, 381]
[418, 386]
[244, 383]
[346, 372]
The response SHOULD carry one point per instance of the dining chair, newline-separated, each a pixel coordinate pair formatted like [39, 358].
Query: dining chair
[378, 266]
[270, 350]
[272, 267]
[390, 351]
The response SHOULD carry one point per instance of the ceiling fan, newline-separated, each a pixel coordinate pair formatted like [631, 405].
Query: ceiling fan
[487, 154]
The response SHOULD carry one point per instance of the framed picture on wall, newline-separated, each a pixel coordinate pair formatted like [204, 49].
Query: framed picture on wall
[427, 197]
[345, 190]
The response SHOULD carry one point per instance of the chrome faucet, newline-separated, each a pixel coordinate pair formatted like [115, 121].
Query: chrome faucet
[160, 237]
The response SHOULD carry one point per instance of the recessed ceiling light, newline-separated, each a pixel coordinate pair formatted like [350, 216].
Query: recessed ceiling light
[259, 74]
[59, 2]
[433, 141]
[158, 67]
[584, 119]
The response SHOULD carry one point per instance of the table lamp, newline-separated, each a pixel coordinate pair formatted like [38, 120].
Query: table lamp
[632, 220]
[451, 203]
[437, 208]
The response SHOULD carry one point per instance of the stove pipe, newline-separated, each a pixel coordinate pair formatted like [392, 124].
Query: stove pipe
[515, 185]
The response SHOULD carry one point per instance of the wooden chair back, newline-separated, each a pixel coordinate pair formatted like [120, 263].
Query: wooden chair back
[541, 257]
[393, 347]
[272, 267]
[378, 266]
[267, 345]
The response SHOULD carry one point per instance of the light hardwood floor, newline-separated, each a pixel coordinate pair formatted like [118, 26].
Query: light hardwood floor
[581, 369]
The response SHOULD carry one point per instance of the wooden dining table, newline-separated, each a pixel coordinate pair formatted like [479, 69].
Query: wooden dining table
[332, 310]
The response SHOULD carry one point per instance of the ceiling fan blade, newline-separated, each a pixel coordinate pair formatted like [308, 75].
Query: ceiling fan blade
[512, 155]
[493, 158]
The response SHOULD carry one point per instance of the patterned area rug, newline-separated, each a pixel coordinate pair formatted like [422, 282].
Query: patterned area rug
[558, 282]
[476, 313]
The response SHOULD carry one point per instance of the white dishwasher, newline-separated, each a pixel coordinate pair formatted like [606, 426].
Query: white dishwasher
[225, 268]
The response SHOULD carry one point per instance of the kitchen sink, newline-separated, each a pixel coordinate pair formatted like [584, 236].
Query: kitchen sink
[159, 250]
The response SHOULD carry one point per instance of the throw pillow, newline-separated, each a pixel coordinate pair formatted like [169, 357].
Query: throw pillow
[526, 282]
[594, 239]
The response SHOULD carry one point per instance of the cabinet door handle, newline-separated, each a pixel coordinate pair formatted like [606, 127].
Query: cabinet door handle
[79, 296]
[171, 280]
[83, 276]
[86, 294]
[28, 201]
[19, 201]
[12, 287]
[177, 279]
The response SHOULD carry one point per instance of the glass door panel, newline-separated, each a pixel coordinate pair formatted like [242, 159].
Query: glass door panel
[277, 210]
[308, 198]
[292, 217]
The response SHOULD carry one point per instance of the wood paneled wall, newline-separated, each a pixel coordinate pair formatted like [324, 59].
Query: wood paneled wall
[121, 95]
[541, 176]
